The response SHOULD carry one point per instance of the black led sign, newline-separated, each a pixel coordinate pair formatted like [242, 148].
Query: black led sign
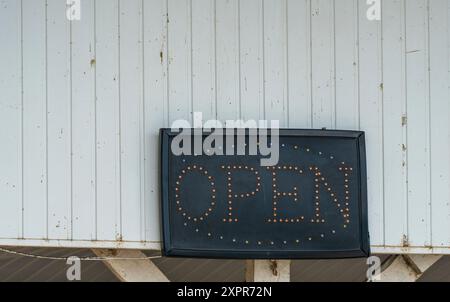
[311, 204]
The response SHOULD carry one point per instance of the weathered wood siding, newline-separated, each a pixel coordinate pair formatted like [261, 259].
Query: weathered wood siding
[81, 103]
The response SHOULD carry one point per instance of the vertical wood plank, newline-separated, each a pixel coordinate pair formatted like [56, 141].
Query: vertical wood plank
[180, 60]
[156, 106]
[275, 60]
[346, 38]
[131, 118]
[251, 62]
[418, 108]
[439, 118]
[299, 67]
[11, 118]
[323, 68]
[34, 120]
[203, 58]
[227, 60]
[108, 120]
[84, 124]
[371, 116]
[59, 121]
[394, 105]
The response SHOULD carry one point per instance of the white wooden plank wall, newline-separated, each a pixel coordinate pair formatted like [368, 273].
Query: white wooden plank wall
[81, 104]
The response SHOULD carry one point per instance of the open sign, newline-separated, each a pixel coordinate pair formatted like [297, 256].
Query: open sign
[312, 204]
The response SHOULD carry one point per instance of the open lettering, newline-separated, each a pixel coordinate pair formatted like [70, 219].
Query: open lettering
[321, 188]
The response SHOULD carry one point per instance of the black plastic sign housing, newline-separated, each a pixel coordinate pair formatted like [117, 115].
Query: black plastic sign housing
[312, 204]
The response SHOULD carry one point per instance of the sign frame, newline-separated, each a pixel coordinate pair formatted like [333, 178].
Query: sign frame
[364, 249]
